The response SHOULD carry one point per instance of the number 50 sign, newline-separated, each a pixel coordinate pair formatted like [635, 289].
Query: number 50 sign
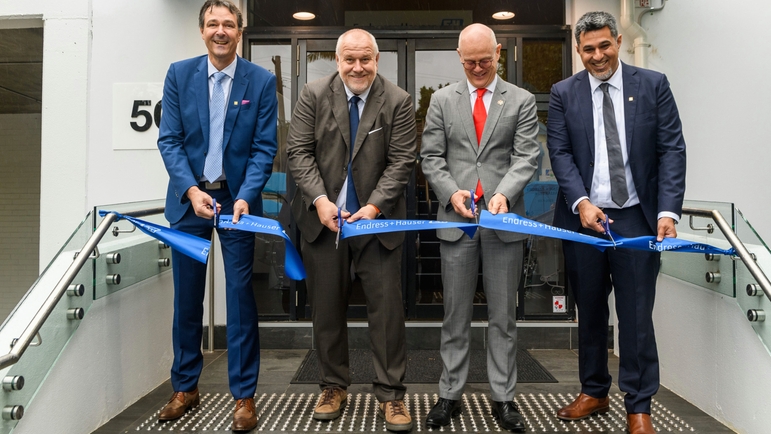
[136, 115]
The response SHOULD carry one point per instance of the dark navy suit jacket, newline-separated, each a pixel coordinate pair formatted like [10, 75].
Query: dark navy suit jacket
[654, 140]
[249, 138]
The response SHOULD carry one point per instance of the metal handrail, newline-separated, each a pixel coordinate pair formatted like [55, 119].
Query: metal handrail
[736, 243]
[23, 342]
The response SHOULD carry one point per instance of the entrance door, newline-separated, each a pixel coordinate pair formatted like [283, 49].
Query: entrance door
[420, 64]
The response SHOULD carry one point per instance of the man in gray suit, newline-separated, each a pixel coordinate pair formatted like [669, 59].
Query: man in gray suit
[480, 136]
[351, 150]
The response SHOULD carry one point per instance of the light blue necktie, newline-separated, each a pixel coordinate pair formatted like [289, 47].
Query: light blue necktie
[351, 199]
[213, 166]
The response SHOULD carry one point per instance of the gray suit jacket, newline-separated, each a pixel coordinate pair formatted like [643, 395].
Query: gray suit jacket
[383, 153]
[504, 161]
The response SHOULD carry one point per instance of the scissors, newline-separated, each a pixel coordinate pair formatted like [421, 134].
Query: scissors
[474, 206]
[216, 213]
[606, 226]
[339, 226]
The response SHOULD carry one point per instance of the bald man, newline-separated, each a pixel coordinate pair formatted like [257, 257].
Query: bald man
[357, 121]
[480, 136]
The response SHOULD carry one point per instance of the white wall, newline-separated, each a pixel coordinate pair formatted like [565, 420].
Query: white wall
[711, 356]
[121, 351]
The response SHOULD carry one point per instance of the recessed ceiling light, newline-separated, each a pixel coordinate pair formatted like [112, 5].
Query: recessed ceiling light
[303, 16]
[503, 15]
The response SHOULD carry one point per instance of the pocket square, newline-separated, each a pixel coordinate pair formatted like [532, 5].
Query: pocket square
[374, 131]
[245, 102]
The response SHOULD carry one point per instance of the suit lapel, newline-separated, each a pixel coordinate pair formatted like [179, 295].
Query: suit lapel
[338, 100]
[583, 94]
[463, 105]
[493, 113]
[201, 90]
[631, 90]
[375, 101]
[233, 104]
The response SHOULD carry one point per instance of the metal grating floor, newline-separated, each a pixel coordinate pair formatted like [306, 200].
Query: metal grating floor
[293, 413]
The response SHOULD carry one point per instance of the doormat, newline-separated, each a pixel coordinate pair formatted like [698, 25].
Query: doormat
[423, 366]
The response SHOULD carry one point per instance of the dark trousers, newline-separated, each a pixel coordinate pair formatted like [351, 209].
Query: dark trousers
[189, 286]
[329, 289]
[632, 274]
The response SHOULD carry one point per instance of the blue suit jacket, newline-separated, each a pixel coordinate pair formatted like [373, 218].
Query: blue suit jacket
[249, 139]
[654, 141]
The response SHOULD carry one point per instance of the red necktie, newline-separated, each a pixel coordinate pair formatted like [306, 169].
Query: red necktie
[480, 116]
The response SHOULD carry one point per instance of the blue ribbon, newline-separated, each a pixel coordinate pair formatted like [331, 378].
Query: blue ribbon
[190, 245]
[293, 265]
[380, 226]
[514, 223]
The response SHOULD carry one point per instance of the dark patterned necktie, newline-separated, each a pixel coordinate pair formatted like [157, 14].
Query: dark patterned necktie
[618, 191]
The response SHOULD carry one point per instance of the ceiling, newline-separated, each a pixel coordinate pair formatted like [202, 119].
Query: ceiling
[21, 70]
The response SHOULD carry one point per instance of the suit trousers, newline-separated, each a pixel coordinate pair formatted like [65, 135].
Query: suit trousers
[329, 289]
[501, 272]
[189, 286]
[632, 275]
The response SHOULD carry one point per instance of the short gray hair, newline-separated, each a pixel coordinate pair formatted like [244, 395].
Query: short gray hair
[596, 21]
[340, 40]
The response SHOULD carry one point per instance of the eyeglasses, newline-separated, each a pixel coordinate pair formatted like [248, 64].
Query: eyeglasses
[472, 64]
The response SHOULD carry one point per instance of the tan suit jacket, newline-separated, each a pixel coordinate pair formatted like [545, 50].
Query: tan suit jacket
[383, 155]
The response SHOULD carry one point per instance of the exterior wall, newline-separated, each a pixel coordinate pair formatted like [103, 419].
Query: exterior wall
[19, 215]
[120, 352]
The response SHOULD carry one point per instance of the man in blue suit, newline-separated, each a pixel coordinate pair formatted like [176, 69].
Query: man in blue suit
[617, 150]
[217, 139]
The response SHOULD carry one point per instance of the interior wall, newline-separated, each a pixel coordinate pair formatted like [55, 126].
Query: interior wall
[19, 216]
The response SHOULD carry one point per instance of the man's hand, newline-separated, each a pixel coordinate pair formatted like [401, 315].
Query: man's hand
[201, 202]
[367, 212]
[666, 229]
[458, 201]
[591, 216]
[239, 208]
[327, 212]
[498, 204]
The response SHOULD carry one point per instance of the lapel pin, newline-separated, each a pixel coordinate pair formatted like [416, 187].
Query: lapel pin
[235, 102]
[631, 98]
[500, 102]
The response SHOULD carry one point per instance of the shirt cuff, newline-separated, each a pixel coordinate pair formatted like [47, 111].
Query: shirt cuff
[320, 196]
[575, 204]
[671, 215]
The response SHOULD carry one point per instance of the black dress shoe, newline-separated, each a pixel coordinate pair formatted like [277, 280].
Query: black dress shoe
[444, 410]
[508, 417]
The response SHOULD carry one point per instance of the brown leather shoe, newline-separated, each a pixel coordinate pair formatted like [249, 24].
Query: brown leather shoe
[639, 423]
[330, 402]
[396, 416]
[584, 406]
[179, 403]
[245, 415]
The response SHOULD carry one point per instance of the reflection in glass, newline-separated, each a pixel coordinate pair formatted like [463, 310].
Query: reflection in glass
[270, 284]
[541, 64]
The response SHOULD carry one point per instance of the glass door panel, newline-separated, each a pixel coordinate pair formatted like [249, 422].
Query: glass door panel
[272, 289]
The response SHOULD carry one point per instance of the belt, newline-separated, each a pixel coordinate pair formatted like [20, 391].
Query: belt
[218, 185]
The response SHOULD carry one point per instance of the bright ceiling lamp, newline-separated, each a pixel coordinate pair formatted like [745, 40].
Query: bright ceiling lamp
[503, 15]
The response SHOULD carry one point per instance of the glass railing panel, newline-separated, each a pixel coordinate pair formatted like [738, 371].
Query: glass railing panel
[128, 256]
[695, 268]
[57, 329]
[746, 299]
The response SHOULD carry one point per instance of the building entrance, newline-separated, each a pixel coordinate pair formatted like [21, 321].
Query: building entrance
[419, 61]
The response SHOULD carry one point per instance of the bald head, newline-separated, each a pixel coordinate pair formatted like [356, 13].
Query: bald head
[477, 34]
[479, 53]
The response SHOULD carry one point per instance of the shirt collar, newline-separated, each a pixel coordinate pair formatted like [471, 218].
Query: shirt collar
[616, 80]
[229, 70]
[363, 96]
[490, 87]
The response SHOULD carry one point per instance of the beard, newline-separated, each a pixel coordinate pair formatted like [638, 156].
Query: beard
[604, 76]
